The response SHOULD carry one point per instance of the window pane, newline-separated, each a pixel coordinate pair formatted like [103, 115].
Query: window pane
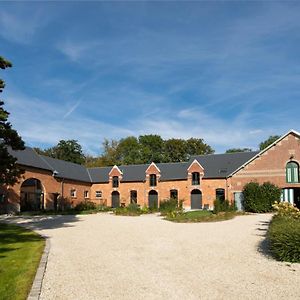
[115, 181]
[152, 180]
[133, 196]
[174, 194]
[195, 178]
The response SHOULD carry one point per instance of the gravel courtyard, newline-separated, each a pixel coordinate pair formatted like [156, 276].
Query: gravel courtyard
[112, 257]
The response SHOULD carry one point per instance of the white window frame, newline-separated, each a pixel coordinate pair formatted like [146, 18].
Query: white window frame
[73, 193]
[98, 194]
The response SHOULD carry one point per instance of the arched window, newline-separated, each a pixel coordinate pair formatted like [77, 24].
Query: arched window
[195, 178]
[153, 181]
[292, 172]
[115, 181]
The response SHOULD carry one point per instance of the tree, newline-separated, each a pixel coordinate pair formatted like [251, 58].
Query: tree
[270, 140]
[9, 171]
[69, 150]
[129, 151]
[175, 150]
[152, 148]
[198, 147]
[234, 150]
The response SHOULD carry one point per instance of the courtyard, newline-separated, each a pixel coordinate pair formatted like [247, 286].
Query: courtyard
[104, 256]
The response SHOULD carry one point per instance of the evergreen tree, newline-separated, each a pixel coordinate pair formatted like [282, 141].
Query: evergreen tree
[9, 138]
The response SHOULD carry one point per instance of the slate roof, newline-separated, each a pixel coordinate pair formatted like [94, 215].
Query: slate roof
[222, 165]
[67, 169]
[30, 158]
[215, 166]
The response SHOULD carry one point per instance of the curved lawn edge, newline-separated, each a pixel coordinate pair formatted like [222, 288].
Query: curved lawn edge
[24, 254]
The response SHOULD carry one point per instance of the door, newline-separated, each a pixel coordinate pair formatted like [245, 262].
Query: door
[238, 200]
[153, 199]
[115, 199]
[196, 199]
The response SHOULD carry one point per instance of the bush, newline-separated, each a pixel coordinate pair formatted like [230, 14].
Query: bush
[284, 238]
[130, 210]
[85, 205]
[287, 210]
[223, 206]
[171, 205]
[260, 198]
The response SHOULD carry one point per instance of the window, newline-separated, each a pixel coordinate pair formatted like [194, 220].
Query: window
[133, 197]
[115, 181]
[195, 178]
[153, 181]
[174, 194]
[98, 194]
[292, 172]
[73, 193]
[86, 194]
[220, 194]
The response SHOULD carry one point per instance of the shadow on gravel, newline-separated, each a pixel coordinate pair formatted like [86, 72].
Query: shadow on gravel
[263, 246]
[41, 222]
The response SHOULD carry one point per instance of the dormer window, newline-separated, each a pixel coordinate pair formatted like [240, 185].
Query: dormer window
[195, 178]
[153, 180]
[115, 181]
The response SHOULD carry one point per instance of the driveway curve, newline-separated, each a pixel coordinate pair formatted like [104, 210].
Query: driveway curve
[112, 257]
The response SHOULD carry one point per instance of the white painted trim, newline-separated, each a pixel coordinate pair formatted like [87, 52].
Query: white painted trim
[197, 162]
[115, 167]
[153, 164]
[265, 150]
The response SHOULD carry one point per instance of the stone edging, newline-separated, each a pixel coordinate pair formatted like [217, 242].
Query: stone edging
[36, 288]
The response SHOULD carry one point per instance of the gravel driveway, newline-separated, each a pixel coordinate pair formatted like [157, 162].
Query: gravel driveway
[112, 257]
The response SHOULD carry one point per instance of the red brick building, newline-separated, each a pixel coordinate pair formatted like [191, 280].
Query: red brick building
[197, 182]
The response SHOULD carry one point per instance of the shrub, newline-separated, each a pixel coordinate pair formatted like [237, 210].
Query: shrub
[85, 205]
[130, 210]
[286, 209]
[260, 198]
[170, 205]
[223, 206]
[284, 238]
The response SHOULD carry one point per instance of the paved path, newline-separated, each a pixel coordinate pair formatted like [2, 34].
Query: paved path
[109, 257]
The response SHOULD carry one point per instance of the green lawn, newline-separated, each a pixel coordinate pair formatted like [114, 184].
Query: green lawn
[20, 254]
[201, 216]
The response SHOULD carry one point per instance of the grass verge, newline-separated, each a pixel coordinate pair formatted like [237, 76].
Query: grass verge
[200, 216]
[20, 254]
[284, 238]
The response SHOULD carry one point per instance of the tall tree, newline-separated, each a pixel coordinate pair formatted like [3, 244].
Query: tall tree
[152, 148]
[68, 150]
[175, 150]
[129, 151]
[234, 150]
[198, 147]
[9, 171]
[270, 140]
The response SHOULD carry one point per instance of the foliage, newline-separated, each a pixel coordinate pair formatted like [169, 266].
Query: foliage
[130, 210]
[147, 149]
[235, 150]
[284, 237]
[270, 140]
[286, 209]
[9, 171]
[223, 206]
[69, 150]
[170, 205]
[85, 205]
[260, 198]
[21, 251]
[199, 216]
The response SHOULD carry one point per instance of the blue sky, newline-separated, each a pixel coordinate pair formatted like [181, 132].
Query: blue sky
[228, 72]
